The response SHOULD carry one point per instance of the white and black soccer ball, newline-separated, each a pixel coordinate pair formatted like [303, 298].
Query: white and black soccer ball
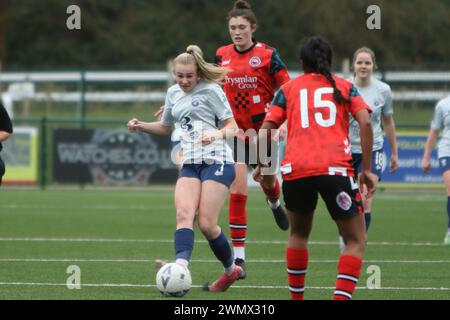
[173, 280]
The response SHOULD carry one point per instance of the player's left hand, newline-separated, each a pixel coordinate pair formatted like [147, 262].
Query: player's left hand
[158, 114]
[394, 163]
[368, 179]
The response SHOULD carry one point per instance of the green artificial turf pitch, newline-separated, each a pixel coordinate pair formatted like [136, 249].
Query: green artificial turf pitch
[114, 237]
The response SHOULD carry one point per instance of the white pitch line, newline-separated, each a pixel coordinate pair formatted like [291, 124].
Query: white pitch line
[92, 207]
[14, 206]
[45, 260]
[122, 285]
[256, 242]
[88, 240]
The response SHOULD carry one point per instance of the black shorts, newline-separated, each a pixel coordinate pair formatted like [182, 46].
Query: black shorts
[340, 194]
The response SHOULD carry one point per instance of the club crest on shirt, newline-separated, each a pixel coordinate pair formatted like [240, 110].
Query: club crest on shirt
[254, 62]
[344, 201]
[378, 103]
[195, 102]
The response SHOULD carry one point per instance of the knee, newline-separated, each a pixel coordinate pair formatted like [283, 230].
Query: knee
[239, 186]
[238, 189]
[355, 247]
[297, 240]
[208, 227]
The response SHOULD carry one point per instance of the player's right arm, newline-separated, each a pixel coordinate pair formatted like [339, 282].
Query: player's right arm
[149, 127]
[273, 120]
[367, 177]
[162, 127]
[264, 136]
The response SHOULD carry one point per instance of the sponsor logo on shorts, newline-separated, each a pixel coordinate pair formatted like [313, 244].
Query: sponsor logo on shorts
[344, 201]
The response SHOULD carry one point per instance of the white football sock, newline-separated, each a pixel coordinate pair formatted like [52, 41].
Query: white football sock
[182, 262]
[229, 270]
[239, 253]
[274, 205]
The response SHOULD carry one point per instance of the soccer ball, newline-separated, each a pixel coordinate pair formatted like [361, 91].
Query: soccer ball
[173, 280]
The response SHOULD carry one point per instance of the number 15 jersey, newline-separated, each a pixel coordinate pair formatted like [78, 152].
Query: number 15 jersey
[317, 142]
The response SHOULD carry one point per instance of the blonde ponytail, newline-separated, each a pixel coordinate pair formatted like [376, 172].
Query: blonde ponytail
[207, 71]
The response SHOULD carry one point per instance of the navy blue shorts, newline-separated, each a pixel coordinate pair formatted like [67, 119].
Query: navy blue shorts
[444, 164]
[220, 172]
[377, 162]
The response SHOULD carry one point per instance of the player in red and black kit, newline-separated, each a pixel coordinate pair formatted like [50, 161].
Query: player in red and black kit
[318, 161]
[257, 73]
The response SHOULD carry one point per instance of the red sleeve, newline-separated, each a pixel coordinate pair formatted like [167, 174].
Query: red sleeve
[282, 76]
[356, 101]
[276, 115]
[357, 104]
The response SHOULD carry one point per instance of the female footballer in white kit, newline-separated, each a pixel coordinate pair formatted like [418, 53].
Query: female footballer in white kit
[198, 104]
[441, 121]
[378, 96]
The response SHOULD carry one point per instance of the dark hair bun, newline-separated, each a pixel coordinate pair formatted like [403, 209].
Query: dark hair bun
[241, 4]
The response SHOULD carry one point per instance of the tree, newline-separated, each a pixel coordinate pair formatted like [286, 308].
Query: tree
[5, 11]
[145, 34]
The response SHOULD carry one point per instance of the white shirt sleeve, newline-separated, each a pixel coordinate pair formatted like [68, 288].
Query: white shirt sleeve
[438, 118]
[388, 108]
[167, 118]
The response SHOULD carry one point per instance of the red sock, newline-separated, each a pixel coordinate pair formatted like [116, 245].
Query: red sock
[237, 218]
[349, 269]
[273, 194]
[297, 263]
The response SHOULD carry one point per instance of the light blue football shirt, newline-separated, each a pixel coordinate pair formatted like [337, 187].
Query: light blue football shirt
[441, 121]
[378, 97]
[202, 109]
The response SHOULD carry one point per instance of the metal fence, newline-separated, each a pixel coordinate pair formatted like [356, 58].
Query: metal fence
[79, 149]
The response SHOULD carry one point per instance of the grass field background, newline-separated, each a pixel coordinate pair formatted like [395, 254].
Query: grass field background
[114, 237]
